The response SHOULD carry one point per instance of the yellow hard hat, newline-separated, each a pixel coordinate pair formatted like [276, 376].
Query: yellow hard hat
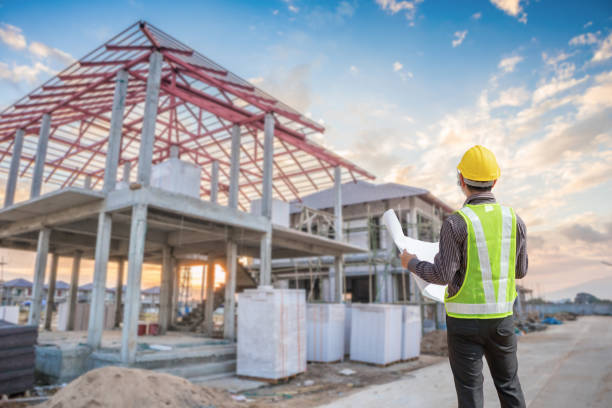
[479, 164]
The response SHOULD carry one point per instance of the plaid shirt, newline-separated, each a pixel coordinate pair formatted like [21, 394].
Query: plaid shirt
[450, 263]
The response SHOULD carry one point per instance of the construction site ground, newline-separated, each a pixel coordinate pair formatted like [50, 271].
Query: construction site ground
[569, 365]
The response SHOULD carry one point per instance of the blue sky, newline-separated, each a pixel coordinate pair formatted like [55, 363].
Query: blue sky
[403, 88]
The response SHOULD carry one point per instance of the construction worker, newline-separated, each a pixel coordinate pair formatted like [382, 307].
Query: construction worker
[482, 251]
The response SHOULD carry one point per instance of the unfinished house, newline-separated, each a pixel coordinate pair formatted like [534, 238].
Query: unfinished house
[374, 276]
[145, 150]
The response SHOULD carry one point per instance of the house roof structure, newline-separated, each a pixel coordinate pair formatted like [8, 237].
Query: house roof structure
[199, 103]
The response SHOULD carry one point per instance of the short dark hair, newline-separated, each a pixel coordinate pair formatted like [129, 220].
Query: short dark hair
[479, 189]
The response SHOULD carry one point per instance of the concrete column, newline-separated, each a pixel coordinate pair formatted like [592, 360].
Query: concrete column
[176, 268]
[234, 168]
[268, 166]
[266, 201]
[165, 292]
[98, 295]
[119, 291]
[41, 155]
[114, 135]
[74, 288]
[42, 250]
[147, 137]
[87, 182]
[229, 310]
[209, 306]
[138, 232]
[338, 278]
[214, 181]
[11, 183]
[51, 291]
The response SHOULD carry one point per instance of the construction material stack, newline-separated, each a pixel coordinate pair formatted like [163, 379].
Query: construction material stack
[17, 358]
[325, 339]
[411, 332]
[271, 333]
[376, 333]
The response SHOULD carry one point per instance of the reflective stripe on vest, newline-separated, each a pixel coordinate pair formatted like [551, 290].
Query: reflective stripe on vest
[493, 305]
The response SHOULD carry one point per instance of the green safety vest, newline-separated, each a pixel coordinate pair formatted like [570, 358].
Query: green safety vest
[488, 290]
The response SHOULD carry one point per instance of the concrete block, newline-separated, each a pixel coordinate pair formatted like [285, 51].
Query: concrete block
[177, 176]
[81, 317]
[280, 211]
[376, 333]
[10, 314]
[411, 332]
[271, 333]
[325, 337]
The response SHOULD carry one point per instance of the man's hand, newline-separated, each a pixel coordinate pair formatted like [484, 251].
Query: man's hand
[406, 257]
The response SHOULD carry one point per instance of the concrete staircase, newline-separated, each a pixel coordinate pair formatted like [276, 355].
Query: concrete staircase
[195, 362]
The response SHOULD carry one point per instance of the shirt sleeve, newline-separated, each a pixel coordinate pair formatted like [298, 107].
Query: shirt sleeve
[448, 260]
[522, 260]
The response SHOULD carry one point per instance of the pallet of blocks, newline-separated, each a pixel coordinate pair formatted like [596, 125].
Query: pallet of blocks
[325, 340]
[411, 332]
[376, 333]
[271, 333]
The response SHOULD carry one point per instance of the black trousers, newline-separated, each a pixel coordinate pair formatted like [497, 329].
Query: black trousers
[468, 341]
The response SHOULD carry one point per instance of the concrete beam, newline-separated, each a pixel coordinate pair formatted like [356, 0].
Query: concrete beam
[214, 181]
[210, 296]
[229, 309]
[119, 291]
[165, 298]
[234, 184]
[114, 136]
[51, 291]
[42, 250]
[129, 335]
[11, 183]
[96, 311]
[147, 137]
[74, 288]
[41, 155]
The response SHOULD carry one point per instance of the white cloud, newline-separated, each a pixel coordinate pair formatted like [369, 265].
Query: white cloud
[19, 73]
[293, 8]
[354, 69]
[590, 23]
[43, 51]
[511, 97]
[584, 39]
[11, 36]
[394, 6]
[511, 7]
[554, 60]
[256, 81]
[459, 37]
[477, 16]
[508, 64]
[555, 86]
[397, 66]
[604, 51]
[345, 9]
[275, 12]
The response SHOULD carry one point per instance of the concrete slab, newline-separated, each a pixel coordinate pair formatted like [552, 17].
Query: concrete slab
[567, 365]
[229, 383]
[49, 203]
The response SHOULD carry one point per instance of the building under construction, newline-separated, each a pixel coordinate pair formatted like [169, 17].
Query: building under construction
[147, 151]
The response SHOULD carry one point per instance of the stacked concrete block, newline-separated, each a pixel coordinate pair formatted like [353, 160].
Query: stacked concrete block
[271, 333]
[81, 316]
[347, 330]
[376, 333]
[177, 176]
[325, 336]
[411, 332]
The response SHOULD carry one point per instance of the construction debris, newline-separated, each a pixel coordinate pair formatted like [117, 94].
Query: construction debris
[435, 343]
[127, 387]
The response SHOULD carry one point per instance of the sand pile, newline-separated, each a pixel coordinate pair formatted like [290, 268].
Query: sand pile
[126, 387]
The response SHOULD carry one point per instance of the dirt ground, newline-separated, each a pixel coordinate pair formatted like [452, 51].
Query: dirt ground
[328, 384]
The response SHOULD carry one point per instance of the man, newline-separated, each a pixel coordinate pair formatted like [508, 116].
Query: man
[482, 251]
